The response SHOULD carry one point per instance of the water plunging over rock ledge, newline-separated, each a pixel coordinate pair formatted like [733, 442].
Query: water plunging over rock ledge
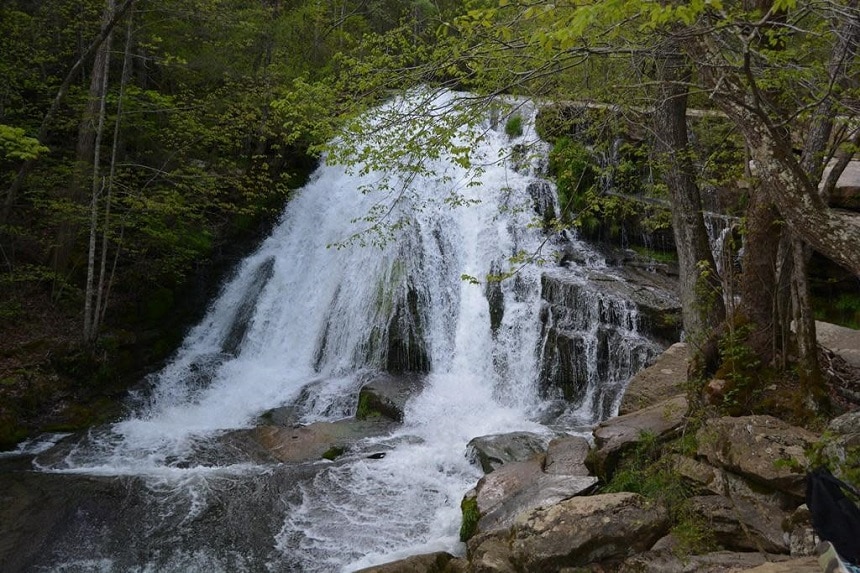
[317, 419]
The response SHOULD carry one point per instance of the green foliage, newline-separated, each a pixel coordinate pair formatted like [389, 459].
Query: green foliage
[575, 174]
[649, 469]
[740, 366]
[15, 144]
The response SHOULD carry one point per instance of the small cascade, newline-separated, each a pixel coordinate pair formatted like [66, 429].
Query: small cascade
[219, 466]
[593, 340]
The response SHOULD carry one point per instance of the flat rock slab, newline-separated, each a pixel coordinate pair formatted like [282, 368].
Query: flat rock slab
[660, 381]
[666, 561]
[308, 443]
[518, 487]
[841, 340]
[493, 451]
[429, 563]
[764, 449]
[616, 435]
[566, 456]
[800, 565]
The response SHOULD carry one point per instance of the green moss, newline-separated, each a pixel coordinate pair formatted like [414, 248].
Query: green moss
[659, 256]
[514, 126]
[471, 516]
[366, 409]
[334, 452]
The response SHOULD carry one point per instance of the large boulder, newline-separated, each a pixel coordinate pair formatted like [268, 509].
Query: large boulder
[429, 563]
[617, 435]
[312, 442]
[662, 380]
[763, 449]
[386, 396]
[843, 341]
[518, 487]
[584, 530]
[493, 451]
[566, 456]
[846, 194]
[740, 525]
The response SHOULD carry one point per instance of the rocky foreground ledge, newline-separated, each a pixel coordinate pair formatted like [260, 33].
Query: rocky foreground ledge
[742, 482]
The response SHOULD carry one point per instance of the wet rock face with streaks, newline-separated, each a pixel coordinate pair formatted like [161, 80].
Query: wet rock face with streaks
[599, 328]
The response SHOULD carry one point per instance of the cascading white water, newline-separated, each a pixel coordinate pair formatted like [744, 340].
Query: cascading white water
[305, 320]
[318, 320]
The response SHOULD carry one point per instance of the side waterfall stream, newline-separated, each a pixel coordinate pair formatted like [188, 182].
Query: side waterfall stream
[305, 321]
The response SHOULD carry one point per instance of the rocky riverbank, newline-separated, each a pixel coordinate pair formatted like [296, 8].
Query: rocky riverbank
[664, 487]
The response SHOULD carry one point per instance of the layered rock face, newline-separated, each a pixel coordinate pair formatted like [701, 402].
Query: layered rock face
[598, 329]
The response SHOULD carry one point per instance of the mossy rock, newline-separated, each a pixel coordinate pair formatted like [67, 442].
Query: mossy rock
[471, 516]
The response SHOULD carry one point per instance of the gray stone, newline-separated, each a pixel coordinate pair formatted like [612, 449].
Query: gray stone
[307, 443]
[617, 435]
[662, 380]
[800, 565]
[742, 526]
[522, 486]
[720, 482]
[846, 424]
[490, 554]
[843, 341]
[764, 449]
[665, 561]
[846, 193]
[493, 451]
[430, 563]
[566, 456]
[584, 530]
[802, 539]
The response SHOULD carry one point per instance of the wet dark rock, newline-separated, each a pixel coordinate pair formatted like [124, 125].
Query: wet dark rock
[430, 563]
[597, 326]
[495, 296]
[543, 198]
[386, 396]
[493, 451]
[50, 520]
[242, 318]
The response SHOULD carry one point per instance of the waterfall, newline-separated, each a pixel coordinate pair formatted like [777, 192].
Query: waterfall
[303, 322]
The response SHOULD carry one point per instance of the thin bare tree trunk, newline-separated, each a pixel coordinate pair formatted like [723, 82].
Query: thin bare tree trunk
[101, 295]
[101, 73]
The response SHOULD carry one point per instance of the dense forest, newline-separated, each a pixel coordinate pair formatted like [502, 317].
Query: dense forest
[144, 143]
[144, 146]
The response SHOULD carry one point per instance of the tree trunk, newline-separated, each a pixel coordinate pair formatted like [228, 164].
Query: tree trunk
[101, 69]
[697, 270]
